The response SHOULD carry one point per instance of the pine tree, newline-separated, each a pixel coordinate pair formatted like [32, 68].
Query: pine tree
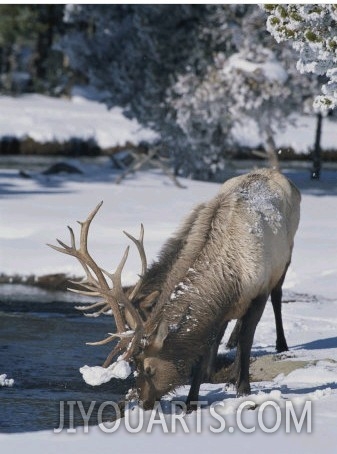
[28, 60]
[311, 29]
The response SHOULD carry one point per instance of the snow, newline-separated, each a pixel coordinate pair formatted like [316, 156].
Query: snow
[35, 211]
[46, 119]
[316, 55]
[322, 373]
[260, 200]
[299, 134]
[97, 375]
[4, 381]
[272, 69]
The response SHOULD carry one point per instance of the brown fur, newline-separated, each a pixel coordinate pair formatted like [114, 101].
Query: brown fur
[222, 264]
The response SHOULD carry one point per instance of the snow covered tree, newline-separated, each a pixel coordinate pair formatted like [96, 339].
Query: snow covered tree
[199, 101]
[312, 30]
[190, 72]
[132, 54]
[266, 87]
[201, 110]
[253, 81]
[135, 53]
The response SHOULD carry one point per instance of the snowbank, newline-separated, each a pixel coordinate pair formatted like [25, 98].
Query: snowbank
[46, 119]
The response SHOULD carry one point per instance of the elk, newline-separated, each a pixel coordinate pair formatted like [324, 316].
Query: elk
[227, 257]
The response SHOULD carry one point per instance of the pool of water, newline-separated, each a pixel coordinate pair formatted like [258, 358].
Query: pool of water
[42, 347]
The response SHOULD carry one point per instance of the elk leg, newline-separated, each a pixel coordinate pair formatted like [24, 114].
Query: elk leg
[234, 337]
[245, 341]
[197, 378]
[203, 369]
[210, 369]
[276, 299]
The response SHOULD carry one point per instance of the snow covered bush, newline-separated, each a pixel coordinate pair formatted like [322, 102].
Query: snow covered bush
[203, 115]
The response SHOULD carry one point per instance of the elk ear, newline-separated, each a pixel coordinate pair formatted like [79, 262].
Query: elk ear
[147, 304]
[160, 336]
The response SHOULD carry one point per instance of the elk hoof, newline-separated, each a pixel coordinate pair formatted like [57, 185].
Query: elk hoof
[281, 348]
[243, 390]
[191, 407]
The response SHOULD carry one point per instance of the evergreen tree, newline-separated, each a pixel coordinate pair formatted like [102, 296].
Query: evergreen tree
[28, 60]
[312, 30]
[17, 32]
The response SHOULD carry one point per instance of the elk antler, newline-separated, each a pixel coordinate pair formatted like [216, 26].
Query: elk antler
[114, 298]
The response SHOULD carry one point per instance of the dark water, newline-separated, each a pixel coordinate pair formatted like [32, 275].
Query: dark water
[42, 347]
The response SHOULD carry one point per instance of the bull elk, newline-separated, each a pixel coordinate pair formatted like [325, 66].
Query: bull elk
[224, 261]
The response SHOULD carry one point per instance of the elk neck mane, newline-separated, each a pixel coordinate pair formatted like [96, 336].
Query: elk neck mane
[208, 245]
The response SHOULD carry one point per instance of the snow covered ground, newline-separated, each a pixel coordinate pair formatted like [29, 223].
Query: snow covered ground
[35, 211]
[47, 119]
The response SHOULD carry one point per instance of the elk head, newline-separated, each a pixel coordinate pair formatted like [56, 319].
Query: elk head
[158, 370]
[140, 340]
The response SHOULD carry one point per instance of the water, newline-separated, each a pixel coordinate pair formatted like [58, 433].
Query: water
[42, 347]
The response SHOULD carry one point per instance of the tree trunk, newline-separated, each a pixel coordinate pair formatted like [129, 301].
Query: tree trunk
[44, 40]
[316, 155]
[9, 65]
[270, 148]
